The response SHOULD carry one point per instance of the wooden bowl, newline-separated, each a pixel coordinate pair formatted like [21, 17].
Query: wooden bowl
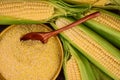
[29, 60]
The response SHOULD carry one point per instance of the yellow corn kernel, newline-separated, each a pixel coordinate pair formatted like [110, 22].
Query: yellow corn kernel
[72, 69]
[37, 10]
[110, 21]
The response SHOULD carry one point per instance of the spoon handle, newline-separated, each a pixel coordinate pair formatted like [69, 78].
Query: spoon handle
[93, 15]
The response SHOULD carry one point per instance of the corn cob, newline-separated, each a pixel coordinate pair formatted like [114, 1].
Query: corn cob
[95, 48]
[75, 65]
[81, 1]
[104, 4]
[70, 66]
[107, 25]
[93, 2]
[26, 10]
[101, 2]
[72, 70]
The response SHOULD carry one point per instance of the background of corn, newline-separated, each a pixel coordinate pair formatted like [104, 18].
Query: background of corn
[100, 3]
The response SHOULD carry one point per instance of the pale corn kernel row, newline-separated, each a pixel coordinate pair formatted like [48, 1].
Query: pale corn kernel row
[27, 10]
[108, 20]
[92, 48]
[73, 71]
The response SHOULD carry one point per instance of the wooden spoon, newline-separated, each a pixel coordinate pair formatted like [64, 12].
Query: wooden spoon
[44, 36]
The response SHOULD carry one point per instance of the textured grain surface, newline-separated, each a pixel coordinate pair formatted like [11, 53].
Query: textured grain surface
[20, 59]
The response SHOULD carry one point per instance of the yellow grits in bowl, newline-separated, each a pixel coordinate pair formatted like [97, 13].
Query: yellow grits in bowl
[31, 59]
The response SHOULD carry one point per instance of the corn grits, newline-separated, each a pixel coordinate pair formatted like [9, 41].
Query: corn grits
[29, 60]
